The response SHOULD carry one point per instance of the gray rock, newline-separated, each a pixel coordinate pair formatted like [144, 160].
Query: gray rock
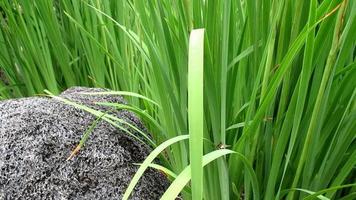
[38, 134]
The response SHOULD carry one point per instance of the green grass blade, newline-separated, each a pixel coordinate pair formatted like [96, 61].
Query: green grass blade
[138, 111]
[122, 93]
[196, 109]
[184, 177]
[148, 161]
[321, 197]
[162, 169]
[85, 136]
[277, 88]
[316, 194]
[241, 56]
[109, 118]
[328, 70]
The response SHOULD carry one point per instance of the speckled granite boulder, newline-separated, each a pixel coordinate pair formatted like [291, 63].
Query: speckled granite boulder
[37, 135]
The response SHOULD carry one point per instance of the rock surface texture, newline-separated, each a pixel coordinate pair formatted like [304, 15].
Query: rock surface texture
[38, 134]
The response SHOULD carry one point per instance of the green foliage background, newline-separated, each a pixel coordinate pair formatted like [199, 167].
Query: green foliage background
[279, 81]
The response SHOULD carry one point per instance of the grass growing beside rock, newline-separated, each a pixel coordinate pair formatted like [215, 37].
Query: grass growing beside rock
[277, 117]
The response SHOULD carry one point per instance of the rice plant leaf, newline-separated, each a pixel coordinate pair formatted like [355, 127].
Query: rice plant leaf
[322, 90]
[136, 110]
[148, 161]
[241, 56]
[131, 35]
[321, 197]
[109, 118]
[162, 169]
[85, 136]
[122, 93]
[237, 125]
[273, 90]
[318, 194]
[183, 178]
[196, 109]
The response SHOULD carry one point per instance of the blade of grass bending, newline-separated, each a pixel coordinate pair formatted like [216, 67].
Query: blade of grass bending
[241, 56]
[86, 136]
[162, 169]
[342, 71]
[316, 194]
[109, 118]
[243, 107]
[196, 109]
[285, 192]
[183, 178]
[237, 125]
[148, 161]
[122, 93]
[135, 110]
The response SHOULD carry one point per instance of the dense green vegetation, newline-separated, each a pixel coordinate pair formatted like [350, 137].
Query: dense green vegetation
[278, 85]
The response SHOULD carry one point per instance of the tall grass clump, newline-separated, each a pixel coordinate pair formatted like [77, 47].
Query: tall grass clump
[260, 93]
